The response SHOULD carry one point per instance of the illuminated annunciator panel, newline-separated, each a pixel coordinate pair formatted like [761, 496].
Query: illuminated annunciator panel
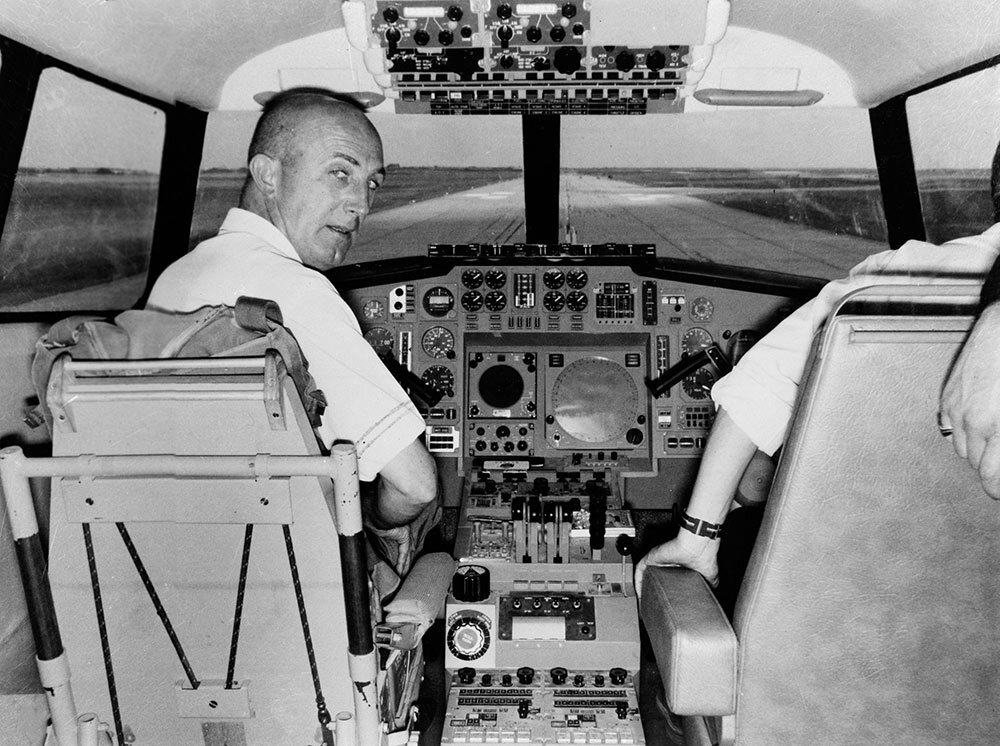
[509, 57]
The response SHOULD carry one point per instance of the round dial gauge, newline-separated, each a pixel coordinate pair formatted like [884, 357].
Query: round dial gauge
[594, 400]
[438, 342]
[440, 379]
[699, 384]
[373, 309]
[380, 339]
[553, 279]
[695, 340]
[472, 278]
[576, 278]
[576, 301]
[702, 309]
[495, 300]
[472, 300]
[438, 301]
[496, 278]
[468, 637]
[554, 301]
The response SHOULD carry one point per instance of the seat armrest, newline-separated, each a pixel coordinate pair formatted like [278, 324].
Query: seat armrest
[694, 644]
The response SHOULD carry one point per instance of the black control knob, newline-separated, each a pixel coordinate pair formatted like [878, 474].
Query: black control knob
[503, 431]
[503, 11]
[533, 34]
[634, 436]
[392, 35]
[523, 708]
[656, 60]
[567, 60]
[540, 63]
[506, 62]
[624, 544]
[466, 675]
[445, 37]
[480, 445]
[466, 32]
[558, 675]
[506, 680]
[621, 710]
[487, 680]
[391, 15]
[618, 676]
[421, 37]
[578, 29]
[568, 10]
[454, 13]
[471, 584]
[525, 675]
[504, 33]
[598, 679]
[508, 446]
[578, 679]
[558, 33]
[625, 61]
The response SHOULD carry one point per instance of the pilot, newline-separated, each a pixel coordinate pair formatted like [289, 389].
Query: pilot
[755, 400]
[315, 163]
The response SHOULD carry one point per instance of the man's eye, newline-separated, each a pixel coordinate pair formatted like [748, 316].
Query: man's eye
[340, 173]
[373, 185]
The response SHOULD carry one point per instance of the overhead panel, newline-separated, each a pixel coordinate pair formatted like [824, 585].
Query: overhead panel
[508, 57]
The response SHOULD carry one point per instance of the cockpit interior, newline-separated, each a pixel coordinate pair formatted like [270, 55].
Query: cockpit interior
[591, 211]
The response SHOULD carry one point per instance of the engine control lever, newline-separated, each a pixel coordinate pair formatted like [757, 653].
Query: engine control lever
[712, 355]
[410, 381]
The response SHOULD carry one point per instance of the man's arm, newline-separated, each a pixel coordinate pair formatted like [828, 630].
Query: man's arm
[407, 485]
[727, 454]
[970, 402]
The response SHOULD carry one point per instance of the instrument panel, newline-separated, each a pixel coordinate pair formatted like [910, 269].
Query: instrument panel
[550, 361]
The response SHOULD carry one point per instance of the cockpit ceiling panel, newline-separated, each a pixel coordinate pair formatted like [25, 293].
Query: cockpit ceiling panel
[185, 51]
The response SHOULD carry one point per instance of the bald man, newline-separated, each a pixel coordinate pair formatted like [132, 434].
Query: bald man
[315, 162]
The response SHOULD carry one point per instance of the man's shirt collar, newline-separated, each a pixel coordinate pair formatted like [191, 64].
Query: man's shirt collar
[239, 220]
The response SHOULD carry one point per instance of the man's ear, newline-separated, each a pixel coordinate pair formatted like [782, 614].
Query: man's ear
[266, 172]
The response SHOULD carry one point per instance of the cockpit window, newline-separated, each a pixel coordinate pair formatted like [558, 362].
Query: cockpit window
[80, 225]
[954, 129]
[448, 180]
[786, 189]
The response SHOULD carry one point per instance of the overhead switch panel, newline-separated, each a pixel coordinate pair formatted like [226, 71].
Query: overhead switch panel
[504, 57]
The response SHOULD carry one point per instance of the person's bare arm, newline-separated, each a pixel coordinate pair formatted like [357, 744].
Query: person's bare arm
[407, 485]
[970, 402]
[727, 454]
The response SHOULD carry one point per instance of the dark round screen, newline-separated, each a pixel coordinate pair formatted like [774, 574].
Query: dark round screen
[501, 386]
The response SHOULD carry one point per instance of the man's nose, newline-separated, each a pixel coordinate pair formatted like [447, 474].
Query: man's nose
[358, 202]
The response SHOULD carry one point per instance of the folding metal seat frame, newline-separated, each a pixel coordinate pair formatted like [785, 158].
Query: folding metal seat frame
[868, 612]
[161, 472]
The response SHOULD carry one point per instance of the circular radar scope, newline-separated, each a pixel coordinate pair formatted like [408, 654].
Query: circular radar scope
[594, 400]
[501, 386]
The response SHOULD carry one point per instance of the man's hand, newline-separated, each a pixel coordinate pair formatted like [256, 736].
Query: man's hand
[970, 403]
[698, 553]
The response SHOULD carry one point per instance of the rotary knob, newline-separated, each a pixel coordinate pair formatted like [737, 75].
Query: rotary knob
[618, 676]
[471, 584]
[469, 638]
[625, 61]
[656, 60]
[466, 675]
[525, 675]
[558, 675]
[567, 60]
[421, 37]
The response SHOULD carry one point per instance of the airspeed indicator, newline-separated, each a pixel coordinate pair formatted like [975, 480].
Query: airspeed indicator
[438, 342]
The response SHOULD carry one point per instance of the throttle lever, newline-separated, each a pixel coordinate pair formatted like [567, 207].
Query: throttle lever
[712, 355]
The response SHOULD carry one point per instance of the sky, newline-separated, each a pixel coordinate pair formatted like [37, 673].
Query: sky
[956, 126]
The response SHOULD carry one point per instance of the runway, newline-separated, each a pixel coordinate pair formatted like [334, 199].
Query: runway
[599, 210]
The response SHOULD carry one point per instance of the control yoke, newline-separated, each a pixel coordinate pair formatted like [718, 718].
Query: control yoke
[712, 355]
[411, 382]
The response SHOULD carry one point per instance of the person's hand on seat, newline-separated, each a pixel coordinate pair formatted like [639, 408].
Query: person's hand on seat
[970, 402]
[698, 553]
